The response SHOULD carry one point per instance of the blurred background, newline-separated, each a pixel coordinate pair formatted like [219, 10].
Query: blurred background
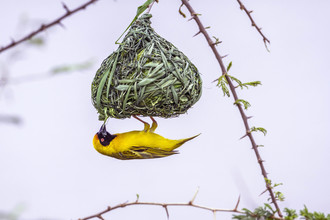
[49, 168]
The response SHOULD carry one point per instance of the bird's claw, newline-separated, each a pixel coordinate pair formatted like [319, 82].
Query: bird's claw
[154, 124]
[147, 125]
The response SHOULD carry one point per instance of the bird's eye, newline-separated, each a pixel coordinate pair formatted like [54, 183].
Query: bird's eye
[102, 140]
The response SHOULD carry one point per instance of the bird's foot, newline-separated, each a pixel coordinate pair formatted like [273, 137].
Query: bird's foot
[154, 124]
[146, 125]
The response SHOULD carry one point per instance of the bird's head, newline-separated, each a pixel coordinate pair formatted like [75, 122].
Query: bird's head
[104, 136]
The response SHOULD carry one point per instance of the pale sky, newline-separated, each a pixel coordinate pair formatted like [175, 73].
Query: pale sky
[48, 165]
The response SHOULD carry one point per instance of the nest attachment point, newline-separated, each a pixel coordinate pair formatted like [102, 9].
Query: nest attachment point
[146, 75]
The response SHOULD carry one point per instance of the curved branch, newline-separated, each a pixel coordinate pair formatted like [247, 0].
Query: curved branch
[242, 7]
[43, 27]
[239, 106]
[164, 205]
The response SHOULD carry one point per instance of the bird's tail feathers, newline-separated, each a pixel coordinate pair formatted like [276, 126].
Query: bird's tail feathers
[182, 141]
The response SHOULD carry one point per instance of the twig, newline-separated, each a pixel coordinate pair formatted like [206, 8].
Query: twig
[193, 199]
[240, 108]
[43, 27]
[242, 7]
[58, 70]
[150, 6]
[238, 201]
[10, 119]
[164, 205]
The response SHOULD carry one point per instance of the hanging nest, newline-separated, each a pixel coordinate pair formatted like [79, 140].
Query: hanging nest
[146, 76]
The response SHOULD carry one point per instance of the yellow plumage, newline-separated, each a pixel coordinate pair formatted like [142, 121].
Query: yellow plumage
[143, 144]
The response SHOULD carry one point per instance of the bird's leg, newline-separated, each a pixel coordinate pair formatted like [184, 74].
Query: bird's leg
[146, 125]
[154, 124]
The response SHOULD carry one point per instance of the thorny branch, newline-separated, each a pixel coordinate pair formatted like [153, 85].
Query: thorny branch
[165, 206]
[242, 7]
[240, 108]
[43, 27]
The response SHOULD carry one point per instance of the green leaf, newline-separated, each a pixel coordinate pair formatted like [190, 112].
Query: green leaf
[217, 41]
[146, 81]
[235, 79]
[222, 83]
[113, 68]
[245, 103]
[246, 85]
[278, 184]
[264, 131]
[267, 206]
[265, 212]
[313, 216]
[37, 41]
[72, 67]
[123, 87]
[229, 65]
[305, 213]
[100, 88]
[279, 196]
[291, 214]
[268, 181]
[140, 10]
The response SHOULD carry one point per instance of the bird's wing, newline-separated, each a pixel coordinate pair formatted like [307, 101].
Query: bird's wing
[142, 152]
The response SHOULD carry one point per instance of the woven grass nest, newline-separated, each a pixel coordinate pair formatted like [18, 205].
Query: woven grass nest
[145, 76]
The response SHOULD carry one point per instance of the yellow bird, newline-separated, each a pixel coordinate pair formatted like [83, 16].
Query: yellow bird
[143, 144]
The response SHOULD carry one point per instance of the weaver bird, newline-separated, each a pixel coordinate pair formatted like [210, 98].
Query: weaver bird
[143, 144]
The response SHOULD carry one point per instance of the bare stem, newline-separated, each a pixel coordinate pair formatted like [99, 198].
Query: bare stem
[239, 106]
[10, 119]
[150, 6]
[43, 27]
[253, 23]
[164, 205]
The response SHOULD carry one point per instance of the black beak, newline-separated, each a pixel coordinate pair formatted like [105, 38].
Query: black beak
[103, 130]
